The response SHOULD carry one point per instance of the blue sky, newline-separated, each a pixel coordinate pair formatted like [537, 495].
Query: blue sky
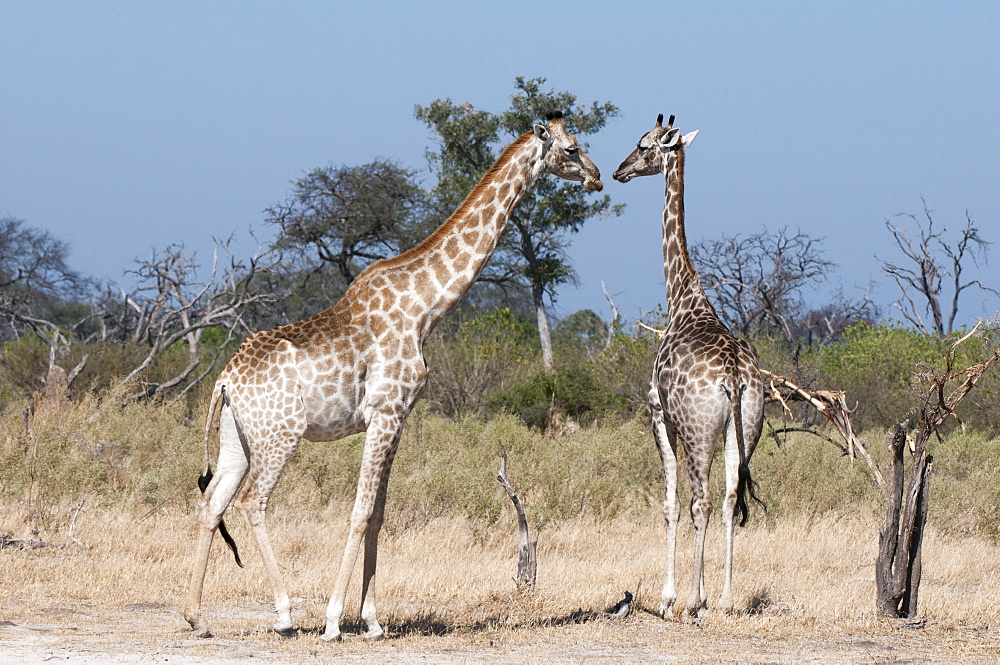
[129, 126]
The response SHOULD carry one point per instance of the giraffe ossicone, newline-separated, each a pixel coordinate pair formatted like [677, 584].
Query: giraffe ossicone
[705, 384]
[357, 366]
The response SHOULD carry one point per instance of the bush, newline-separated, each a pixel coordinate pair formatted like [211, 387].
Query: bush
[875, 366]
[473, 358]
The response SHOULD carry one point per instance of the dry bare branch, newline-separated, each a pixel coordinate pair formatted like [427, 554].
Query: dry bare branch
[831, 403]
[527, 557]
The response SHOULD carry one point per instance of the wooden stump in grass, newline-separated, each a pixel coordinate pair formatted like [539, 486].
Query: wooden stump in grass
[527, 554]
[897, 567]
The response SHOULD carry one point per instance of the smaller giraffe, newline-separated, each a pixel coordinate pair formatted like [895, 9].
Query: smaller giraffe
[705, 382]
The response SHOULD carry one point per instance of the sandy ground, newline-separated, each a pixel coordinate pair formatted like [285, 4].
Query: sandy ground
[153, 633]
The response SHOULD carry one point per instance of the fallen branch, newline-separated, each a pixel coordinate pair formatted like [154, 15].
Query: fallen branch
[831, 403]
[527, 555]
[7, 541]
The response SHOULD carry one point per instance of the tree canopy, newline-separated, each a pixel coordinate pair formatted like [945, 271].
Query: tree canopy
[533, 257]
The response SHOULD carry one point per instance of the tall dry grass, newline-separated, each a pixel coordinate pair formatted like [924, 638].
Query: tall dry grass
[451, 577]
[448, 551]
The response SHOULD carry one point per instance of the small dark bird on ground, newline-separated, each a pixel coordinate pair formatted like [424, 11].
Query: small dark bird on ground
[621, 609]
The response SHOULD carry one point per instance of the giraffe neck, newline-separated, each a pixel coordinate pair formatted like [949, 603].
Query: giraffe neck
[683, 288]
[445, 265]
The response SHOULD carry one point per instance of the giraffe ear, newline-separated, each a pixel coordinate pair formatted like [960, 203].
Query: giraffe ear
[669, 139]
[689, 137]
[542, 133]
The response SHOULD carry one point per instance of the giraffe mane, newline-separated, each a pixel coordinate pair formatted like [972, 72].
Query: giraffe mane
[446, 228]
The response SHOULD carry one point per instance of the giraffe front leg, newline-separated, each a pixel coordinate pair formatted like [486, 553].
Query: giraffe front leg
[380, 448]
[666, 444]
[368, 612]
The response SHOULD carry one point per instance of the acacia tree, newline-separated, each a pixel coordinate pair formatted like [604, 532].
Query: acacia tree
[348, 217]
[533, 258]
[35, 279]
[930, 279]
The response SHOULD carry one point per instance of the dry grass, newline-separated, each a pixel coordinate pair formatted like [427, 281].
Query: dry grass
[804, 591]
[804, 573]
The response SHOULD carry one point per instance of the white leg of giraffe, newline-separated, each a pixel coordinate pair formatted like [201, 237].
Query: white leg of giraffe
[666, 444]
[732, 460]
[230, 471]
[368, 613]
[253, 502]
[380, 446]
[701, 510]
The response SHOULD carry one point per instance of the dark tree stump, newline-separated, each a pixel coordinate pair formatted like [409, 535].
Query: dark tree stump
[898, 566]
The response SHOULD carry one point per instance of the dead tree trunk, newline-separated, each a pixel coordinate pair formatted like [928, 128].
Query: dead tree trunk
[898, 566]
[527, 553]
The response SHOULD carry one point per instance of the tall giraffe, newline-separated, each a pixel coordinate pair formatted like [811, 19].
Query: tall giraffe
[705, 381]
[358, 366]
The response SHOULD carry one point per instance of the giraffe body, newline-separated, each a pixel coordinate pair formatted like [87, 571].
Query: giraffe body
[705, 384]
[358, 366]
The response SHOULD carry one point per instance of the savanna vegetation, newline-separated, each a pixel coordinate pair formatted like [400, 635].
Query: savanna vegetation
[103, 395]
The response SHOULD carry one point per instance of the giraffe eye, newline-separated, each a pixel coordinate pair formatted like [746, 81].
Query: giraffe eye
[571, 150]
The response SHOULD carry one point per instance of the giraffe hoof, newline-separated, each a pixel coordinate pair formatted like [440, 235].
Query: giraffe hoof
[199, 628]
[285, 632]
[374, 635]
[332, 637]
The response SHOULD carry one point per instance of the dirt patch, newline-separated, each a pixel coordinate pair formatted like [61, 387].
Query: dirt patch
[152, 632]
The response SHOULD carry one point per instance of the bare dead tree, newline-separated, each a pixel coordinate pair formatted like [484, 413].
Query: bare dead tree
[756, 281]
[171, 305]
[616, 317]
[898, 564]
[930, 279]
[527, 552]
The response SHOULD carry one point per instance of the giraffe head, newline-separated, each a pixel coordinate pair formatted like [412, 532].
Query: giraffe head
[563, 155]
[650, 155]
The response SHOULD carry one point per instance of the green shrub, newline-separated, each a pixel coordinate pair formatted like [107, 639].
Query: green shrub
[473, 358]
[875, 365]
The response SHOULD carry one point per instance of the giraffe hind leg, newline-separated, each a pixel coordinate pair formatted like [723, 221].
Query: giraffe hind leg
[730, 510]
[666, 445]
[701, 510]
[252, 503]
[216, 497]
[203, 481]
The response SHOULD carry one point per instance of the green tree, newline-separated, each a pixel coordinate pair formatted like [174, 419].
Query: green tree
[348, 217]
[583, 332]
[533, 258]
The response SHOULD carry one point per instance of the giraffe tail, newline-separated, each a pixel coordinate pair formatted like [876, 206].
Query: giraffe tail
[203, 480]
[745, 484]
[206, 476]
